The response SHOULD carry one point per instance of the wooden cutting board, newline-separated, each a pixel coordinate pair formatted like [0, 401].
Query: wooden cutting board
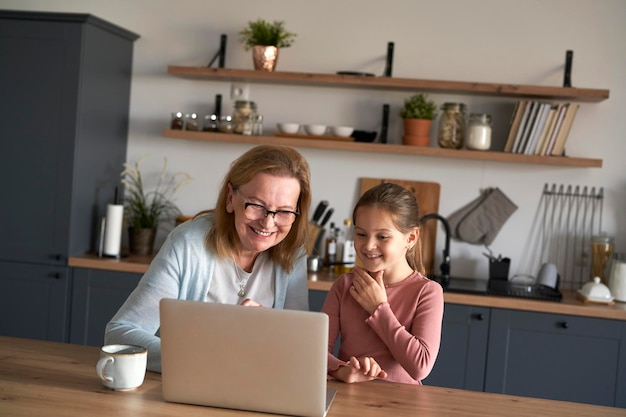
[427, 195]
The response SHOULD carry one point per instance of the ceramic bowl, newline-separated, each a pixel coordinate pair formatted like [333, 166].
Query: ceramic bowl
[342, 131]
[316, 130]
[291, 128]
[596, 291]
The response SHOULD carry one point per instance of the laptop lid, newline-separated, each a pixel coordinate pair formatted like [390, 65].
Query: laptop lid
[248, 358]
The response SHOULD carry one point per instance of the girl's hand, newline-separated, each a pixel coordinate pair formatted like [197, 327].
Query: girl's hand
[367, 291]
[248, 302]
[360, 369]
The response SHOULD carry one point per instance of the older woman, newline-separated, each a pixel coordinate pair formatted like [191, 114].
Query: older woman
[248, 250]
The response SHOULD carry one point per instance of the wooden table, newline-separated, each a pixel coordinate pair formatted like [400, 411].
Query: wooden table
[39, 378]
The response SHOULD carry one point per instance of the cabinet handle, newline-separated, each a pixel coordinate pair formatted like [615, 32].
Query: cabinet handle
[55, 275]
[57, 257]
[563, 324]
[479, 316]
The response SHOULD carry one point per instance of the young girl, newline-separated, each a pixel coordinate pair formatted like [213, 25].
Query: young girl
[387, 312]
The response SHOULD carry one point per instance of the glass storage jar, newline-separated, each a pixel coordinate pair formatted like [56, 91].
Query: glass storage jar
[177, 122]
[244, 110]
[191, 122]
[452, 125]
[211, 123]
[479, 132]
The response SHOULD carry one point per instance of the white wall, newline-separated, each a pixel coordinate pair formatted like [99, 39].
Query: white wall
[501, 41]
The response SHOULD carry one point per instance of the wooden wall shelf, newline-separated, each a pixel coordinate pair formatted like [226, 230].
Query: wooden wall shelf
[393, 83]
[387, 148]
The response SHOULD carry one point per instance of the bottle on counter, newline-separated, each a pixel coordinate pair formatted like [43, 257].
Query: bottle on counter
[345, 252]
[330, 252]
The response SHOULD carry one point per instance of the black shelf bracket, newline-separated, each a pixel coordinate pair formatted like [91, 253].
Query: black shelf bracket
[567, 77]
[385, 125]
[221, 53]
[389, 65]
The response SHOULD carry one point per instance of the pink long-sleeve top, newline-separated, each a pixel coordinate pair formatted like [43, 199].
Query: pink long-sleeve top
[402, 335]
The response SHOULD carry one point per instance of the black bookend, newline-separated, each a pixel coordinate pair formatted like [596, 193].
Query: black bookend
[567, 78]
[221, 53]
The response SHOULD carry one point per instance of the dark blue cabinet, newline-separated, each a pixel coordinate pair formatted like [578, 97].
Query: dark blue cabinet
[64, 101]
[463, 352]
[34, 301]
[65, 82]
[557, 357]
[96, 297]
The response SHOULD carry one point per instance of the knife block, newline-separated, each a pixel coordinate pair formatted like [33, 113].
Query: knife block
[314, 234]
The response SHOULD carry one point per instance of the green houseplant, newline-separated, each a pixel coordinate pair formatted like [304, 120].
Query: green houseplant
[418, 113]
[143, 209]
[264, 39]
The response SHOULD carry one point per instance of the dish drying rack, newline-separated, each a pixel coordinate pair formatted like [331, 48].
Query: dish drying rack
[566, 219]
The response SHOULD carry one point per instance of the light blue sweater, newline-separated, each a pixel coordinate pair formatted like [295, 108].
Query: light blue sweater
[183, 269]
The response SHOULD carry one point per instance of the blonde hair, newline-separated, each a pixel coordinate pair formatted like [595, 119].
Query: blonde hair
[283, 161]
[402, 207]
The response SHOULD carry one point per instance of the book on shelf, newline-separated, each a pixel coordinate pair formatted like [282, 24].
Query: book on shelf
[560, 114]
[516, 118]
[529, 126]
[566, 126]
[522, 129]
[542, 144]
[535, 133]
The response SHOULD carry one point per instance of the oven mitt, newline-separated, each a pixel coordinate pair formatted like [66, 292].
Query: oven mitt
[484, 222]
[455, 219]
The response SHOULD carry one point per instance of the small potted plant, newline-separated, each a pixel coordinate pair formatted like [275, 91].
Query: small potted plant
[418, 113]
[265, 39]
[144, 210]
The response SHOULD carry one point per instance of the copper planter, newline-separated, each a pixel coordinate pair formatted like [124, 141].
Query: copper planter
[265, 58]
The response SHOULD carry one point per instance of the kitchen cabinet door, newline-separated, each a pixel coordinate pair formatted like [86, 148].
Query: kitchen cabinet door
[34, 301]
[96, 297]
[316, 299]
[65, 83]
[463, 352]
[554, 356]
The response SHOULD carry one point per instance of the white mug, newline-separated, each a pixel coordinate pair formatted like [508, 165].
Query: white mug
[548, 275]
[122, 367]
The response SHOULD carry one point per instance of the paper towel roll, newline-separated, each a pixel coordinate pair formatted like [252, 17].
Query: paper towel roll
[113, 230]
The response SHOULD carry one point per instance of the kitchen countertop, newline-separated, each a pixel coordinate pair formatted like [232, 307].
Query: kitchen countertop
[322, 281]
[57, 379]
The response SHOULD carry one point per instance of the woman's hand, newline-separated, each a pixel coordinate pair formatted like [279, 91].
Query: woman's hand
[360, 369]
[249, 302]
[367, 291]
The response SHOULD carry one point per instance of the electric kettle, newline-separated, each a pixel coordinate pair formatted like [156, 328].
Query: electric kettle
[617, 277]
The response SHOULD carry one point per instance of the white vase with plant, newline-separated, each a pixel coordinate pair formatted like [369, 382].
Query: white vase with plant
[265, 39]
[144, 209]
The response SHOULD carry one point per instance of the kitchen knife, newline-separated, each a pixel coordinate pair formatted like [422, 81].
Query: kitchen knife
[319, 210]
[327, 217]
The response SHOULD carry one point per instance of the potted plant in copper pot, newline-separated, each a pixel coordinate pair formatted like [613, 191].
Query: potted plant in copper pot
[265, 39]
[418, 113]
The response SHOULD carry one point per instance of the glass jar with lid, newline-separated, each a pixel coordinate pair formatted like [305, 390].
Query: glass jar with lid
[452, 125]
[479, 132]
[244, 110]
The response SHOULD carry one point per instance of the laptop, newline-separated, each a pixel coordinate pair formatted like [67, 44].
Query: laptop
[246, 358]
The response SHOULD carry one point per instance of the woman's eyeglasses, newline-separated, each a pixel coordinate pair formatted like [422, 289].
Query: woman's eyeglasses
[255, 211]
